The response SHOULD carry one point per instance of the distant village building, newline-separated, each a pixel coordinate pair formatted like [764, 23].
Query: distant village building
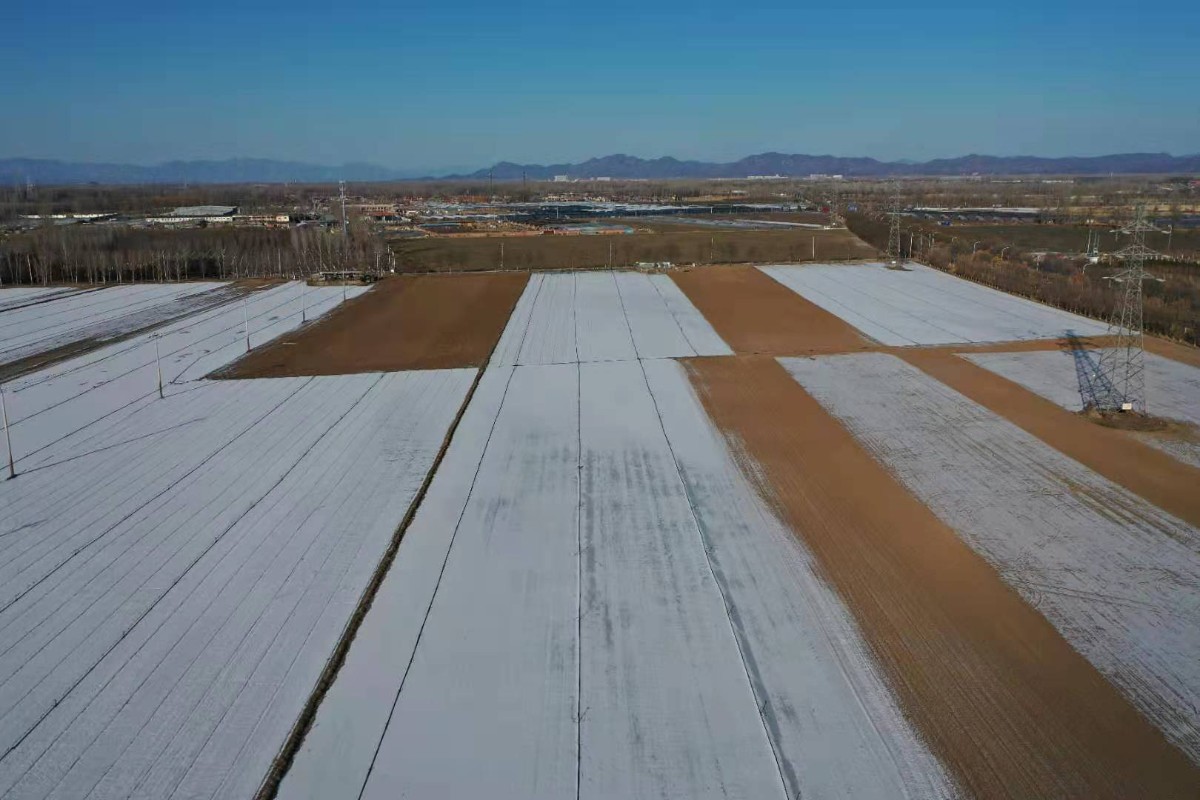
[562, 178]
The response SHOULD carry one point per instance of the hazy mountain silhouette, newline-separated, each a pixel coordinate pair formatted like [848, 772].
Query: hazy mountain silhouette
[262, 170]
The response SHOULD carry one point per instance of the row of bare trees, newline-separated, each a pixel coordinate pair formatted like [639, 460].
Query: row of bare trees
[112, 254]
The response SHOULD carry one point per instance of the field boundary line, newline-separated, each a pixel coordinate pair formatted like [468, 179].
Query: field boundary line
[269, 787]
[578, 560]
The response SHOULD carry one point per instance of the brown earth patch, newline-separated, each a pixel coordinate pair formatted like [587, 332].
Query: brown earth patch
[404, 322]
[1002, 698]
[1163, 480]
[756, 314]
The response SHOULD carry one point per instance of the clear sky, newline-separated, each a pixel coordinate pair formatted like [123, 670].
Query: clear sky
[464, 83]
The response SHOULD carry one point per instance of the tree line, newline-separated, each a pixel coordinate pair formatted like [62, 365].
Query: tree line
[94, 254]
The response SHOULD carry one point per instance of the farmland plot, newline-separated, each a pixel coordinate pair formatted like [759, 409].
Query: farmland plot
[603, 316]
[488, 705]
[62, 400]
[1119, 578]
[162, 624]
[1172, 388]
[553, 616]
[922, 306]
[18, 296]
[103, 314]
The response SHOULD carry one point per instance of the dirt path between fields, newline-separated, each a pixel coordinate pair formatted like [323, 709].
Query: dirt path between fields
[755, 314]
[1162, 479]
[404, 322]
[1002, 698]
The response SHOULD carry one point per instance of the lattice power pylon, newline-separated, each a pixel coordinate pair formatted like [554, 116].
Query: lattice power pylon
[895, 252]
[1123, 362]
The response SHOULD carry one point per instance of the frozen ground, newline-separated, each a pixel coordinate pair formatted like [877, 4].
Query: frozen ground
[103, 314]
[592, 600]
[174, 577]
[923, 306]
[15, 297]
[603, 316]
[1119, 578]
[1172, 388]
[60, 401]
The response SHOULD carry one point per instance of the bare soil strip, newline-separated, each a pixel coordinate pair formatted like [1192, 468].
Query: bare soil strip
[1157, 476]
[1004, 700]
[755, 314]
[405, 322]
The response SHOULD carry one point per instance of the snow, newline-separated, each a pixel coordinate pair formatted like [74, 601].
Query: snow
[49, 406]
[836, 728]
[487, 707]
[604, 316]
[101, 314]
[1172, 388]
[924, 306]
[669, 708]
[562, 608]
[339, 748]
[18, 296]
[174, 584]
[1119, 578]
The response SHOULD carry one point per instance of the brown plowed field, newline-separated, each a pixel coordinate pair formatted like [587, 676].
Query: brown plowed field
[405, 322]
[756, 314]
[1160, 478]
[1008, 705]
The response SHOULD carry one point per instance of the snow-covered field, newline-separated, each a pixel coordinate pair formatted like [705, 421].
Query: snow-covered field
[1119, 578]
[102, 314]
[604, 316]
[175, 573]
[55, 403]
[172, 585]
[14, 297]
[592, 598]
[1172, 388]
[923, 306]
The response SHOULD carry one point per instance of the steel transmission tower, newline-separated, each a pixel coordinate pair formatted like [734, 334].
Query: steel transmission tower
[894, 252]
[1122, 364]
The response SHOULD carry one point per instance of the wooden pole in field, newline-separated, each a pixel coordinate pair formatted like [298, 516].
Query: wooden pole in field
[12, 470]
[158, 364]
[814, 258]
[246, 320]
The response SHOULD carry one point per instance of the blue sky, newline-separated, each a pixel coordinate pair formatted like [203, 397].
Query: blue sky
[423, 86]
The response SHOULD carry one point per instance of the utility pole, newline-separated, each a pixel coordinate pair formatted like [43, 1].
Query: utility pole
[1122, 365]
[501, 255]
[12, 469]
[246, 320]
[158, 365]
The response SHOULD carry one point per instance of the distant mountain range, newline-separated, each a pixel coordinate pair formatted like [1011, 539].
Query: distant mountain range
[622, 166]
[261, 170]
